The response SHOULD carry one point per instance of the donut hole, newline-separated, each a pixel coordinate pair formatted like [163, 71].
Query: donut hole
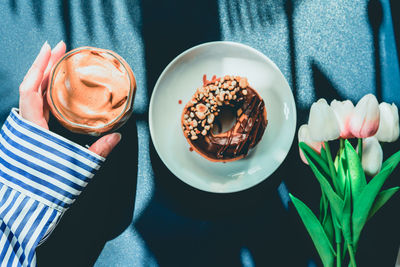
[225, 120]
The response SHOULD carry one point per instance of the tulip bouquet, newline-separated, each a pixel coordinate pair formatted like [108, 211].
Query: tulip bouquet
[348, 198]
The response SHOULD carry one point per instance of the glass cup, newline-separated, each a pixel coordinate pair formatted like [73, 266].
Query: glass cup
[71, 105]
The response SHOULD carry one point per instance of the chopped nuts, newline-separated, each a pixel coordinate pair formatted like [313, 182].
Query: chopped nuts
[200, 115]
[243, 82]
[210, 118]
[202, 109]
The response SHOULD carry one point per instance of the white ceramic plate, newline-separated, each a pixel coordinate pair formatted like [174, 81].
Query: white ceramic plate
[179, 81]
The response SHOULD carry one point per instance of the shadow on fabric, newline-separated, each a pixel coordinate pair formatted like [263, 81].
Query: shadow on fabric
[375, 17]
[102, 212]
[323, 86]
[382, 228]
[65, 11]
[183, 226]
[395, 10]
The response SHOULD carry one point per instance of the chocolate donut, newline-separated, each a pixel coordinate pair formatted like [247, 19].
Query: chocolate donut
[201, 112]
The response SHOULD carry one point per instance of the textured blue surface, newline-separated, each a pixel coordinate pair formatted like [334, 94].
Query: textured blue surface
[147, 217]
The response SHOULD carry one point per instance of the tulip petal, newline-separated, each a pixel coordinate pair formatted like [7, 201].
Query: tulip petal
[304, 136]
[322, 123]
[389, 123]
[343, 111]
[372, 156]
[364, 121]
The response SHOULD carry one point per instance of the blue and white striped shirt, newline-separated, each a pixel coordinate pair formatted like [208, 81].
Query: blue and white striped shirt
[41, 175]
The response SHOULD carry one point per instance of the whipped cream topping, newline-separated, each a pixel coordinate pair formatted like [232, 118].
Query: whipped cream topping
[91, 87]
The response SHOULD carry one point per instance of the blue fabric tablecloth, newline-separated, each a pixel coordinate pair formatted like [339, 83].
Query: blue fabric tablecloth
[135, 212]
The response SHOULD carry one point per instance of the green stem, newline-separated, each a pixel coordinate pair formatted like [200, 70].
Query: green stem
[331, 165]
[352, 258]
[360, 148]
[338, 237]
[341, 143]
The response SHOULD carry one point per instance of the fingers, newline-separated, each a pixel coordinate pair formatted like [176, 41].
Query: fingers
[34, 77]
[56, 53]
[106, 144]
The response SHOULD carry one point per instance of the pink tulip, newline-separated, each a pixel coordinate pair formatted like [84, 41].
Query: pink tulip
[343, 111]
[304, 136]
[322, 123]
[372, 156]
[364, 121]
[388, 130]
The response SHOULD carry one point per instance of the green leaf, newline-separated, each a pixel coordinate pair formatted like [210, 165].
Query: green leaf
[323, 207]
[392, 161]
[341, 176]
[334, 200]
[316, 231]
[324, 156]
[327, 224]
[346, 217]
[315, 156]
[381, 200]
[326, 218]
[363, 204]
[356, 172]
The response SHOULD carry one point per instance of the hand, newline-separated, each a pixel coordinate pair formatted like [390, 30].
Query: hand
[32, 102]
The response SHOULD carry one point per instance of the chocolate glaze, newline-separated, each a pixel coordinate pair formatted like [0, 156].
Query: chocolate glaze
[244, 135]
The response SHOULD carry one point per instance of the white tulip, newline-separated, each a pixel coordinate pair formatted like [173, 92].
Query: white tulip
[343, 111]
[364, 121]
[388, 130]
[372, 156]
[304, 136]
[322, 123]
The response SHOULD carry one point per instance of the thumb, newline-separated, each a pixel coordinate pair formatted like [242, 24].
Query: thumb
[105, 144]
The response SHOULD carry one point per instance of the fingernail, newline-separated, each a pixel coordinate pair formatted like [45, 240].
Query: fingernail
[44, 46]
[114, 139]
[60, 43]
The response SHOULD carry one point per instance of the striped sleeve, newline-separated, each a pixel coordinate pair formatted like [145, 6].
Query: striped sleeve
[41, 175]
